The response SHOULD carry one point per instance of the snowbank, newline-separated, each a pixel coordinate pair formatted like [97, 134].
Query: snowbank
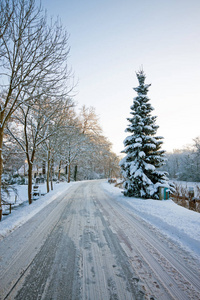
[177, 222]
[24, 212]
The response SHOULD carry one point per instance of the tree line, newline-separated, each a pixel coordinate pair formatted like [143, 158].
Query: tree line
[38, 121]
[69, 143]
[184, 164]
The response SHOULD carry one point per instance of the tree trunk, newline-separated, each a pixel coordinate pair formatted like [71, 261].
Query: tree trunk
[51, 176]
[30, 168]
[75, 172]
[48, 169]
[68, 180]
[59, 169]
[44, 168]
[1, 168]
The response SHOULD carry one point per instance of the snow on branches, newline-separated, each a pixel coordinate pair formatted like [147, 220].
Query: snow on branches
[143, 148]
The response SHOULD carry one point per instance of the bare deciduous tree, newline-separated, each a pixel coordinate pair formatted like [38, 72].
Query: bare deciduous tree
[68, 143]
[38, 122]
[33, 59]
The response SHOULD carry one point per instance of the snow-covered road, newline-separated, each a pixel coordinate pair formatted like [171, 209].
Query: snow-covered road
[87, 245]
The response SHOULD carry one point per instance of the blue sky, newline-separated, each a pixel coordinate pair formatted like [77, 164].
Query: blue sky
[110, 40]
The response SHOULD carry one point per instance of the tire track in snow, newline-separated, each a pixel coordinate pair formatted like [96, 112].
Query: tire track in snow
[174, 275]
[100, 248]
[15, 266]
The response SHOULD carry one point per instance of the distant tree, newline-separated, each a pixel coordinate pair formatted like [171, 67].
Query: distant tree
[89, 121]
[68, 143]
[113, 169]
[184, 164]
[173, 163]
[144, 157]
[196, 165]
[13, 157]
[101, 162]
[71, 148]
[190, 163]
[85, 152]
[53, 149]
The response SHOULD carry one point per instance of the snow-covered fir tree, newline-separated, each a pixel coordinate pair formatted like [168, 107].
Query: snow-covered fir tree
[143, 148]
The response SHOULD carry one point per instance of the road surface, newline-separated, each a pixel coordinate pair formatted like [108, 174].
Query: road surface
[85, 245]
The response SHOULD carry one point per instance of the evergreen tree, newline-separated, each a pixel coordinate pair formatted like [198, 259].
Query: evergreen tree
[143, 148]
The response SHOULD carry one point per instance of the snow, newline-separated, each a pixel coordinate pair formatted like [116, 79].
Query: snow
[153, 146]
[133, 167]
[137, 145]
[148, 127]
[178, 223]
[24, 212]
[149, 167]
[128, 139]
[142, 154]
[139, 140]
[138, 173]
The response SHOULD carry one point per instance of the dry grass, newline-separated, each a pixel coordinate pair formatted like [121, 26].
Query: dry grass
[182, 196]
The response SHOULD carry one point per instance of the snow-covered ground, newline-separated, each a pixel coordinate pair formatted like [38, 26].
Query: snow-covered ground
[179, 223]
[23, 212]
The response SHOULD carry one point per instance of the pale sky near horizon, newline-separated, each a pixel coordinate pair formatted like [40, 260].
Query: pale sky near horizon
[111, 39]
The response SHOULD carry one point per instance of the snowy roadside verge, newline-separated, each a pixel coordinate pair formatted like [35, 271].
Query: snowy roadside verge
[178, 223]
[23, 214]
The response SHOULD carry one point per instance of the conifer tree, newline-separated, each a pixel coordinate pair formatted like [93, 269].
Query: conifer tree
[143, 148]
